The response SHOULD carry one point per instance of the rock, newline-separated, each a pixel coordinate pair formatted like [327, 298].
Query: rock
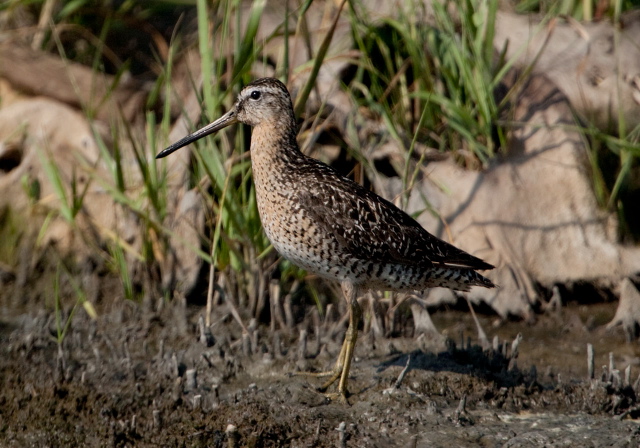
[628, 312]
[583, 60]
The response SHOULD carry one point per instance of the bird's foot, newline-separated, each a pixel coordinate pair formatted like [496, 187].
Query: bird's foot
[334, 374]
[340, 397]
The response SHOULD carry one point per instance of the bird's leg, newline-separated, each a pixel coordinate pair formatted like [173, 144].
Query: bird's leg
[347, 290]
[356, 316]
[343, 364]
[337, 368]
[346, 354]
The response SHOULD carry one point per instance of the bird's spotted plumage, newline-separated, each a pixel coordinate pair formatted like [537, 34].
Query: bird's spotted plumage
[330, 225]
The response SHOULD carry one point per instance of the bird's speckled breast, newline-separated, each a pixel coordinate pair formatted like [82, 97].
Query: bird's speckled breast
[285, 221]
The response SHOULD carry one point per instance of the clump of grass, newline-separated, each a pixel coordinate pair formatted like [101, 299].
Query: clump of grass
[12, 227]
[63, 323]
[432, 82]
[613, 160]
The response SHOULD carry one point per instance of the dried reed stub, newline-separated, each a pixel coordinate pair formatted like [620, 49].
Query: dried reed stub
[302, 345]
[157, 419]
[192, 381]
[197, 402]
[233, 438]
[342, 434]
[206, 337]
[591, 364]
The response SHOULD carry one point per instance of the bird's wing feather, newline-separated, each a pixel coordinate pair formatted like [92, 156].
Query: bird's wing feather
[372, 228]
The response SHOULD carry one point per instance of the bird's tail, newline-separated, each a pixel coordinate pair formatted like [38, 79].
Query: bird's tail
[480, 280]
[462, 279]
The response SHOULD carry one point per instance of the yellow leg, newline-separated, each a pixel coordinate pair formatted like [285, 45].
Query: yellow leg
[336, 372]
[343, 364]
[346, 353]
[356, 316]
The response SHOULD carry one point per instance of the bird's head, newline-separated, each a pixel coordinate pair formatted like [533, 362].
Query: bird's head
[265, 100]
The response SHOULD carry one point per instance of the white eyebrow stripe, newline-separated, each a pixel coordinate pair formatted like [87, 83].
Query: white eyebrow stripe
[244, 94]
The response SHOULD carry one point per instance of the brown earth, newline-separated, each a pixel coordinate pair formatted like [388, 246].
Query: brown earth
[126, 379]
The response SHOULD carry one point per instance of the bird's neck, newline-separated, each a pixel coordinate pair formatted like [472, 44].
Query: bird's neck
[273, 146]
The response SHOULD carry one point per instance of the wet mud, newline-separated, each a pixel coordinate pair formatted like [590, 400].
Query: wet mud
[136, 377]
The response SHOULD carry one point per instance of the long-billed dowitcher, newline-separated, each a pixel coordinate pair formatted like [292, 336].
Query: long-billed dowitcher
[331, 226]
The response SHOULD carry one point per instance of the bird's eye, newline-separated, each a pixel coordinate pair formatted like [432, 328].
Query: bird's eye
[255, 95]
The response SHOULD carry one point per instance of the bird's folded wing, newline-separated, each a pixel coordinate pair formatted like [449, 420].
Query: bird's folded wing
[371, 228]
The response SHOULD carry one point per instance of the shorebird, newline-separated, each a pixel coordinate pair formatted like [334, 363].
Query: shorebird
[328, 224]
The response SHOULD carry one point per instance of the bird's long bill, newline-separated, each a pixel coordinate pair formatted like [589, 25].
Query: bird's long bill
[227, 119]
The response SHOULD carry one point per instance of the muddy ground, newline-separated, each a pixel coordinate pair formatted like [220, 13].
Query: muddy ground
[136, 377]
